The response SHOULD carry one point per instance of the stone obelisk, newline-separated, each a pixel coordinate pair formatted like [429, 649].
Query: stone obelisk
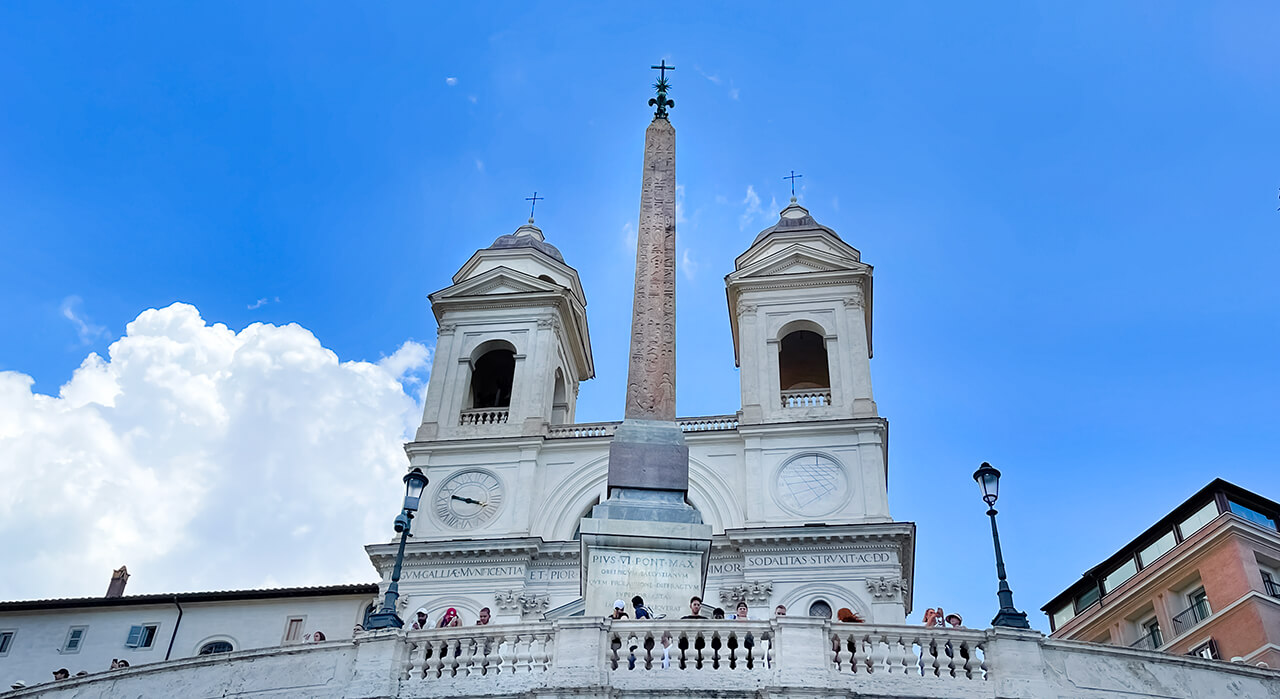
[645, 538]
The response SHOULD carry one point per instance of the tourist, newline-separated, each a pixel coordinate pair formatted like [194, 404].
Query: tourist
[484, 617]
[742, 611]
[317, 637]
[124, 663]
[939, 618]
[780, 610]
[115, 663]
[619, 610]
[930, 617]
[717, 613]
[642, 612]
[954, 621]
[449, 619]
[61, 673]
[357, 629]
[695, 608]
[82, 673]
[421, 622]
[846, 615]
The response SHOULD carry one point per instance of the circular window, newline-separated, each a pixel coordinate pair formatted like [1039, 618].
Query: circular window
[216, 647]
[820, 609]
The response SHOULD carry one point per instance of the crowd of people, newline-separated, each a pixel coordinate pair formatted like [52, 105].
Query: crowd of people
[449, 619]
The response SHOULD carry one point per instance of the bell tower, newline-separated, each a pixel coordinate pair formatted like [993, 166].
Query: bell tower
[800, 314]
[512, 344]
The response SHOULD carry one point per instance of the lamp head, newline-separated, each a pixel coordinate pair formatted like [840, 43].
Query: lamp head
[415, 482]
[988, 479]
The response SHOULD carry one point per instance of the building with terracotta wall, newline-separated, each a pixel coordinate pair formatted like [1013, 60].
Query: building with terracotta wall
[1204, 580]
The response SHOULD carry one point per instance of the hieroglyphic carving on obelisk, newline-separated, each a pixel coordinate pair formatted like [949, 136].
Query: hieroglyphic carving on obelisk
[651, 375]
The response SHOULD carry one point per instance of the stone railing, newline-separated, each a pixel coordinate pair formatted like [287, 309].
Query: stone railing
[910, 651]
[581, 430]
[483, 416]
[479, 650]
[689, 645]
[594, 658]
[806, 397]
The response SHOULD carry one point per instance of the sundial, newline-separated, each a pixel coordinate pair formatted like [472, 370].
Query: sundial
[812, 485]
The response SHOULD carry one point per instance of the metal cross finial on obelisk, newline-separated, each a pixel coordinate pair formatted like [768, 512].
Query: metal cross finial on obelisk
[662, 86]
[791, 177]
[535, 199]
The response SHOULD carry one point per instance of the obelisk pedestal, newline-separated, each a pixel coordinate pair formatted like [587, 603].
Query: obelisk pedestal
[645, 539]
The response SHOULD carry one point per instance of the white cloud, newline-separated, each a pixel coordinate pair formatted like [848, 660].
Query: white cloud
[715, 79]
[450, 81]
[752, 201]
[733, 93]
[85, 329]
[688, 266]
[203, 458]
[629, 237]
[680, 204]
[262, 302]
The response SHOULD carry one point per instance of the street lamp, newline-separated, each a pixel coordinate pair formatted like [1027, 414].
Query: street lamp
[988, 479]
[386, 618]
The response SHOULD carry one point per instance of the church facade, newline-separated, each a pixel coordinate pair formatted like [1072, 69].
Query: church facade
[794, 484]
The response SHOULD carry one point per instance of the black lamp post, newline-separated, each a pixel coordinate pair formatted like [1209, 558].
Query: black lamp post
[386, 618]
[988, 479]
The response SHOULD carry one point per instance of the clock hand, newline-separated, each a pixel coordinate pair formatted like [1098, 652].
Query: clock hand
[469, 501]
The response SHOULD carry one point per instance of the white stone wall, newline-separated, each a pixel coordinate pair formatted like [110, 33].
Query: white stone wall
[39, 635]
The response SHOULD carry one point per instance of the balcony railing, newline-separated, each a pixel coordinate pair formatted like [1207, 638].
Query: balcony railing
[806, 397]
[726, 654]
[584, 430]
[1151, 641]
[484, 416]
[1272, 587]
[1190, 616]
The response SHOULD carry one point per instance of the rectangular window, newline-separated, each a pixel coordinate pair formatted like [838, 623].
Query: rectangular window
[293, 629]
[1161, 546]
[1252, 515]
[1193, 523]
[75, 637]
[1269, 584]
[1152, 629]
[6, 641]
[1207, 650]
[1127, 570]
[1087, 598]
[141, 636]
[1062, 616]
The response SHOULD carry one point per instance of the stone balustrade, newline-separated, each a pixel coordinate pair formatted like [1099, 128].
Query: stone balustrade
[806, 397]
[593, 658]
[582, 430]
[483, 416]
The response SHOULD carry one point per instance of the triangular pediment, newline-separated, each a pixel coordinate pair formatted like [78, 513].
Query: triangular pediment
[498, 281]
[798, 259]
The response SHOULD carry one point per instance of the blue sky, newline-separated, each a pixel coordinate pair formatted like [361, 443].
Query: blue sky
[1071, 209]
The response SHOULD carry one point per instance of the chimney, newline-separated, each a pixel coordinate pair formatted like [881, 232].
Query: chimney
[118, 579]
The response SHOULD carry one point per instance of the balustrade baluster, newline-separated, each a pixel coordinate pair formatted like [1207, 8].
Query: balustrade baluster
[879, 653]
[524, 658]
[542, 662]
[466, 655]
[432, 658]
[507, 655]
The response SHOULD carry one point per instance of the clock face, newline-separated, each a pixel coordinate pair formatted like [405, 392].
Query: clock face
[812, 485]
[468, 500]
